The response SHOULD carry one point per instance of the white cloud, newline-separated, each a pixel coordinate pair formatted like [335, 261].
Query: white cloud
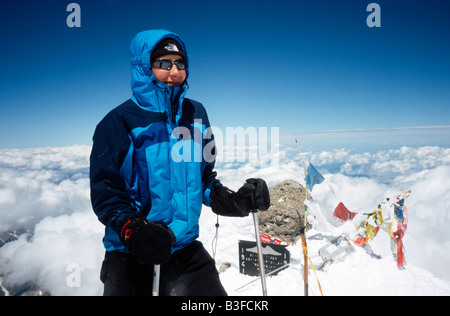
[428, 236]
[41, 182]
[47, 191]
[382, 165]
[58, 245]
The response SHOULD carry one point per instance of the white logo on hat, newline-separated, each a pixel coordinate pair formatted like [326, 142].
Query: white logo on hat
[171, 48]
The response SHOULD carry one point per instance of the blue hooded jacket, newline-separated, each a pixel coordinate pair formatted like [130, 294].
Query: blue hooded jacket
[152, 155]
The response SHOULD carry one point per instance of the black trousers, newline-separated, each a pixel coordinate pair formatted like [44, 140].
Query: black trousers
[190, 272]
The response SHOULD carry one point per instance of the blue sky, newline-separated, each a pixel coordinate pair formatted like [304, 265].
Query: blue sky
[312, 68]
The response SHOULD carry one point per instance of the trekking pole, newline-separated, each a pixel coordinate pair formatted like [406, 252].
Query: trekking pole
[302, 231]
[156, 278]
[305, 257]
[259, 248]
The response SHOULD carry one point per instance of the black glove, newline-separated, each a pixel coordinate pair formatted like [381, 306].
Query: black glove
[148, 243]
[254, 194]
[261, 198]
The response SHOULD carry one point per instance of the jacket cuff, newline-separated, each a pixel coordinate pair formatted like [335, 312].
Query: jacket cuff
[207, 197]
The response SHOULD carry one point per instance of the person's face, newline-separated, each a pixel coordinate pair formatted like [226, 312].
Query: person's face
[172, 77]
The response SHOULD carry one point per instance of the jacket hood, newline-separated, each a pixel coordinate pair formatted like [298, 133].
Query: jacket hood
[148, 92]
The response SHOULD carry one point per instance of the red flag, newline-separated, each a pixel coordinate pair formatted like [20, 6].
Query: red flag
[342, 214]
[400, 255]
[267, 239]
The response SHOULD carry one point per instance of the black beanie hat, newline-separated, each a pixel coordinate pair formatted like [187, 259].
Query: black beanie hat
[168, 46]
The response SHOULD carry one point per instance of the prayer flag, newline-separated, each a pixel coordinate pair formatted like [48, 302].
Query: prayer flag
[313, 177]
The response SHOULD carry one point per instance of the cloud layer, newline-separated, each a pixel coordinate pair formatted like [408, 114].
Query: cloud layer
[36, 183]
[46, 191]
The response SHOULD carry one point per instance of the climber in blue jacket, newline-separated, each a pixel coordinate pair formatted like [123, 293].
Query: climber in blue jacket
[151, 169]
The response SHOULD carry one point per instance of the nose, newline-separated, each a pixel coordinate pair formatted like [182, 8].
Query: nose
[174, 69]
[175, 72]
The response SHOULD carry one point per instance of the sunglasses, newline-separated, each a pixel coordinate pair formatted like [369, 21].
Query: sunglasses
[167, 64]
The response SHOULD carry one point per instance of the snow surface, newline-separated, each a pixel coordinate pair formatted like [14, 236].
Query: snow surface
[46, 191]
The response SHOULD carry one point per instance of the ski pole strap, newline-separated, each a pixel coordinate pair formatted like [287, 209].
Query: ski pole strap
[215, 239]
[305, 252]
[315, 274]
[254, 208]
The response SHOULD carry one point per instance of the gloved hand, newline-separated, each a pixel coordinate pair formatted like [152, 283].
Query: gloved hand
[254, 194]
[148, 243]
